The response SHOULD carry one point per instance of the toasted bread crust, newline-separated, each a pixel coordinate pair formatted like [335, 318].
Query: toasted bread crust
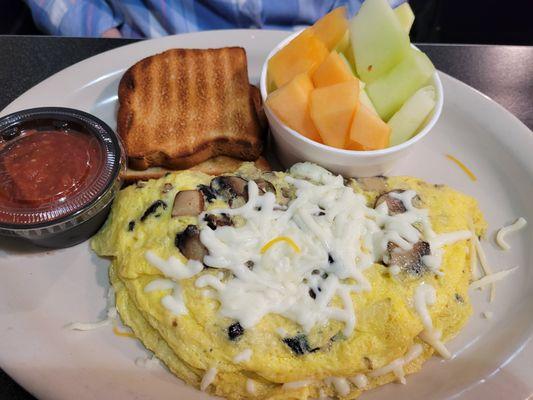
[214, 166]
[255, 95]
[184, 106]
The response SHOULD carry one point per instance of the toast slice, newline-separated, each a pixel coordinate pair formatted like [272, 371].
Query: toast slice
[184, 106]
[215, 166]
[255, 94]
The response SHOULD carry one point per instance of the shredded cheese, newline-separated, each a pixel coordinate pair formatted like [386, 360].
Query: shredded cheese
[490, 279]
[88, 326]
[487, 270]
[359, 380]
[474, 268]
[433, 339]
[243, 356]
[341, 385]
[465, 169]
[250, 386]
[426, 295]
[111, 316]
[208, 379]
[516, 226]
[118, 332]
[285, 239]
[396, 366]
[173, 302]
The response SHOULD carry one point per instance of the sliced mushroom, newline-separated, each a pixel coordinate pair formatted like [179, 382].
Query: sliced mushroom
[188, 202]
[269, 175]
[231, 189]
[409, 261]
[190, 245]
[167, 187]
[287, 194]
[265, 186]
[208, 193]
[214, 221]
[394, 205]
[373, 183]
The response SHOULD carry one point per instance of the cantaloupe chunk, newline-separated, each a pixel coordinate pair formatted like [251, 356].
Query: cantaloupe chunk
[331, 27]
[303, 54]
[332, 108]
[379, 42]
[332, 70]
[290, 103]
[368, 131]
[389, 92]
[405, 16]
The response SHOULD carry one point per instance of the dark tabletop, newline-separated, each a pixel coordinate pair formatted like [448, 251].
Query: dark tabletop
[504, 73]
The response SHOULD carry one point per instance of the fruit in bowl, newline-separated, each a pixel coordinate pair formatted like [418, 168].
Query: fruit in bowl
[354, 84]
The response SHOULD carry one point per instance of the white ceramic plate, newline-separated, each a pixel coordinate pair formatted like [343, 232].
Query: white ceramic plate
[42, 291]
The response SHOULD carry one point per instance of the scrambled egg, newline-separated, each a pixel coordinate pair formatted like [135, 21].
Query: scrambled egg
[190, 344]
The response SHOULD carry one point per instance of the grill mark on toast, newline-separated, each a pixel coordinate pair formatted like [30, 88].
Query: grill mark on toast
[164, 129]
[203, 112]
[214, 82]
[184, 96]
[222, 88]
[155, 134]
[173, 93]
[144, 101]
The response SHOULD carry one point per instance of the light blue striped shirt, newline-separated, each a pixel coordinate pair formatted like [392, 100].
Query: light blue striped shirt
[154, 18]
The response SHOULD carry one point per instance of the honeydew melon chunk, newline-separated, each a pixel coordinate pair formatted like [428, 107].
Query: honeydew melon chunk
[348, 63]
[344, 48]
[344, 44]
[405, 16]
[365, 100]
[290, 103]
[389, 92]
[331, 27]
[410, 117]
[378, 40]
[332, 70]
[332, 109]
[302, 54]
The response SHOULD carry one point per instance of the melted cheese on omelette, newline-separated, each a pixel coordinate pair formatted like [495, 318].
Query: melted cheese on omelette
[318, 268]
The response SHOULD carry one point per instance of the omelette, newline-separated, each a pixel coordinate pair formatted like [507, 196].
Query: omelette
[291, 285]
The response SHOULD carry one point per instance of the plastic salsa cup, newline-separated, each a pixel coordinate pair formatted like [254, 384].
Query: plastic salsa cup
[60, 169]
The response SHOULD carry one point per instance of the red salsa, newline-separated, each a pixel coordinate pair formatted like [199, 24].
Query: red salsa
[42, 169]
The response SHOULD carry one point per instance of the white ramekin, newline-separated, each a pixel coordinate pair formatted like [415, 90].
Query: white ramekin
[292, 147]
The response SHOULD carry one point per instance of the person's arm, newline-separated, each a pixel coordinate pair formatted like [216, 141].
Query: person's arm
[75, 17]
[112, 33]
